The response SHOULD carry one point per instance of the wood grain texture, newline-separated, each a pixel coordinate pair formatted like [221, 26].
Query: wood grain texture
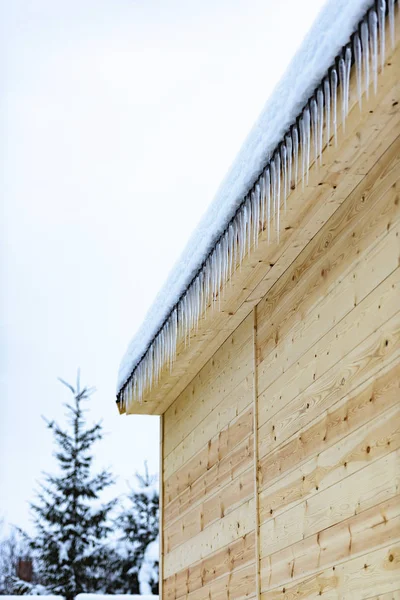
[225, 531]
[217, 379]
[211, 454]
[289, 425]
[212, 481]
[375, 483]
[369, 530]
[225, 561]
[215, 507]
[334, 273]
[312, 458]
[371, 575]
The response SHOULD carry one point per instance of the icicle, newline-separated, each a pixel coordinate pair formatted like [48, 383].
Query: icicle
[230, 251]
[303, 150]
[284, 173]
[295, 141]
[314, 126]
[268, 201]
[242, 234]
[365, 51]
[262, 201]
[258, 211]
[307, 129]
[273, 189]
[327, 95]
[342, 80]
[347, 60]
[392, 23]
[278, 191]
[381, 22]
[373, 30]
[289, 149]
[255, 218]
[219, 267]
[320, 106]
[248, 225]
[358, 63]
[334, 85]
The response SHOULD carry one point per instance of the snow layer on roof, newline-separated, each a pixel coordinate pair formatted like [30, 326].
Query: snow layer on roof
[330, 32]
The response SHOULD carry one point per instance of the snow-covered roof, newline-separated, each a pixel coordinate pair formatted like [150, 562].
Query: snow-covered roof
[331, 31]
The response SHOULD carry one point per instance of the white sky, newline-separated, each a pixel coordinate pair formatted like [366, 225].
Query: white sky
[118, 120]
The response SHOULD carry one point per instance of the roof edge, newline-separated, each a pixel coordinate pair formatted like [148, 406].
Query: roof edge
[259, 210]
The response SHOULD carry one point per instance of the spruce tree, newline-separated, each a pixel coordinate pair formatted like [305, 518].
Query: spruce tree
[139, 522]
[71, 525]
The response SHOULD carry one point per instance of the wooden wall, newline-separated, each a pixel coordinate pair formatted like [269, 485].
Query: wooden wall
[208, 474]
[305, 394]
[327, 371]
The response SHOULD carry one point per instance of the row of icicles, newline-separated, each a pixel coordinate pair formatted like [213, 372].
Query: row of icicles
[260, 211]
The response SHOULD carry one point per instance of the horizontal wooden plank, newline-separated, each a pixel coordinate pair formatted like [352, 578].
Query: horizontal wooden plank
[236, 585]
[225, 531]
[221, 372]
[322, 471]
[234, 401]
[369, 401]
[332, 276]
[370, 575]
[223, 562]
[346, 356]
[395, 595]
[213, 452]
[362, 533]
[371, 485]
[227, 469]
[225, 413]
[213, 508]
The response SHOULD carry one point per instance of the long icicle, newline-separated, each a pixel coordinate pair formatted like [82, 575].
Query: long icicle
[320, 107]
[334, 86]
[303, 150]
[342, 81]
[327, 94]
[284, 173]
[314, 126]
[381, 24]
[373, 32]
[289, 147]
[365, 51]
[392, 23]
[358, 63]
[273, 190]
[307, 123]
[295, 142]
[278, 192]
[268, 201]
[347, 60]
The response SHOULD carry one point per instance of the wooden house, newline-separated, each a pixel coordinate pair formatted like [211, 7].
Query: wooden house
[274, 361]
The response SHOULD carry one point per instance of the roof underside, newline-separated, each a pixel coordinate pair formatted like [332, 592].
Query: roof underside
[272, 203]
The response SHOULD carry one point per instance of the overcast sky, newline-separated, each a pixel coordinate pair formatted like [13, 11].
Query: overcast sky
[118, 121]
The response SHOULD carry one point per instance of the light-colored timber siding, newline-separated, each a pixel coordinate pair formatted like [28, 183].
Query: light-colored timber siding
[208, 470]
[314, 366]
